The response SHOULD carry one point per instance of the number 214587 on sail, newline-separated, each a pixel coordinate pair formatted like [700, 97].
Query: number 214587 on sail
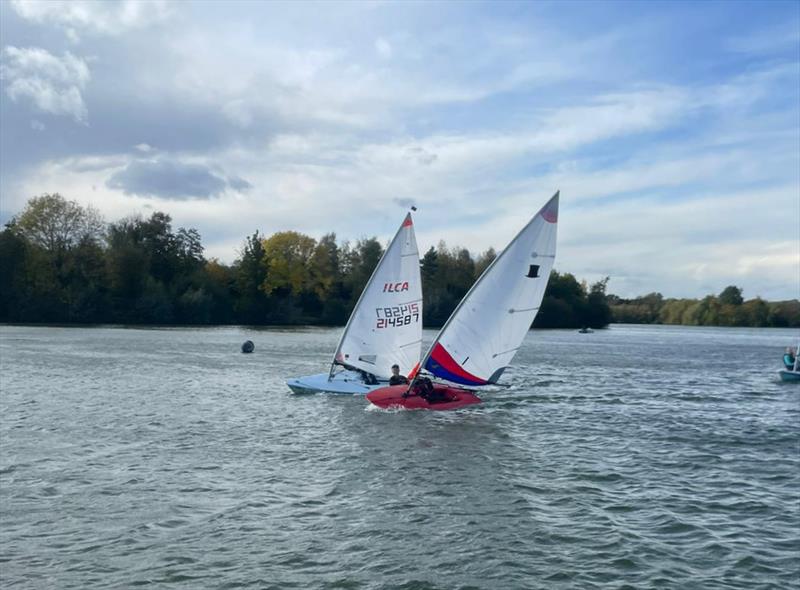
[399, 315]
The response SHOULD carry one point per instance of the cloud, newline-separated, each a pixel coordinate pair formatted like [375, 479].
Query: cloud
[405, 203]
[173, 180]
[383, 48]
[108, 18]
[784, 36]
[37, 125]
[239, 184]
[367, 108]
[53, 84]
[421, 155]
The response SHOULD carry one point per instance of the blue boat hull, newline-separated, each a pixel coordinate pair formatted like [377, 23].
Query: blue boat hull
[342, 383]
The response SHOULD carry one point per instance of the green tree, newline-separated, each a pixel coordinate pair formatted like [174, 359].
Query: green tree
[754, 312]
[484, 260]
[673, 310]
[359, 262]
[597, 312]
[251, 303]
[55, 224]
[731, 295]
[286, 259]
[12, 268]
[564, 303]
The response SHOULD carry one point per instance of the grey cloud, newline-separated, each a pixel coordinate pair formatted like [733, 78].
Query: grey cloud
[239, 184]
[405, 203]
[53, 84]
[421, 155]
[172, 180]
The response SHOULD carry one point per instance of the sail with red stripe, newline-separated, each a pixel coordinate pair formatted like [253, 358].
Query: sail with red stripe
[481, 337]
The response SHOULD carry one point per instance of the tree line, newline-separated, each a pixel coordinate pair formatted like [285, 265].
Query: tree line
[726, 309]
[60, 262]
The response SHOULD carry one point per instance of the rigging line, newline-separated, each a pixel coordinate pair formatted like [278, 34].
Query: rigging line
[410, 343]
[512, 310]
[495, 355]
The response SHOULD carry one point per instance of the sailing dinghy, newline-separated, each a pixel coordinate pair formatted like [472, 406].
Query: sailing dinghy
[484, 332]
[791, 370]
[385, 327]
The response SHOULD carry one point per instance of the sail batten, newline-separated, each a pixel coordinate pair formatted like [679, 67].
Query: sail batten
[385, 326]
[488, 325]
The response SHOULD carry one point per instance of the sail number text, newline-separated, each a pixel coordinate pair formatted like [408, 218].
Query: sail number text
[397, 316]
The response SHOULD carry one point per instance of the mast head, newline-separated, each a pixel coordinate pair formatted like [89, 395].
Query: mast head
[550, 211]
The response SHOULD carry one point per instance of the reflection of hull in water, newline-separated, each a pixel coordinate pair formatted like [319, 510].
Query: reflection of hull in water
[787, 375]
[343, 383]
[392, 397]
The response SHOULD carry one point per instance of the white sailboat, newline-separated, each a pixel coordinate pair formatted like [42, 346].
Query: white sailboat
[384, 329]
[481, 337]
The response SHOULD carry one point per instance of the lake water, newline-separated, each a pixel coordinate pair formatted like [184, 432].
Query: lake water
[634, 457]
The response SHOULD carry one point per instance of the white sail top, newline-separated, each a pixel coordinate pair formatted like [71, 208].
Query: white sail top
[484, 332]
[385, 327]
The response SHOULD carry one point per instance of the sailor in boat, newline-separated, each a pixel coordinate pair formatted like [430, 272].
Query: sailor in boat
[397, 378]
[789, 358]
[367, 377]
[425, 389]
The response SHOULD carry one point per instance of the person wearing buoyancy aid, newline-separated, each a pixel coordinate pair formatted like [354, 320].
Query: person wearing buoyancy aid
[788, 359]
[397, 378]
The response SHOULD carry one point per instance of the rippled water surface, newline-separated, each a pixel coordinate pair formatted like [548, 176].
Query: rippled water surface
[635, 457]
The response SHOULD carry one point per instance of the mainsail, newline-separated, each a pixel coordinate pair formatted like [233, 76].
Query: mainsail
[385, 327]
[485, 331]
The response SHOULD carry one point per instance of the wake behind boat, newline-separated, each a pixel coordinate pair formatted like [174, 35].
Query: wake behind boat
[385, 327]
[484, 332]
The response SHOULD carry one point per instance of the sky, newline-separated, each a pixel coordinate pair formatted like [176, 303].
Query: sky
[671, 129]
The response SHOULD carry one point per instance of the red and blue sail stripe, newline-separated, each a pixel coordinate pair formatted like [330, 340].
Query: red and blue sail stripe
[441, 364]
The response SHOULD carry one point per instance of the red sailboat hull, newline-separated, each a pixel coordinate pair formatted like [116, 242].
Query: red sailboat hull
[392, 397]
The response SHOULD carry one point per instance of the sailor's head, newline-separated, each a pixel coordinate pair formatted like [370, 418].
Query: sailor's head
[395, 369]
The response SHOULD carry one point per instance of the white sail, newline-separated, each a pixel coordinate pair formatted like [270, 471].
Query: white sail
[385, 327]
[485, 331]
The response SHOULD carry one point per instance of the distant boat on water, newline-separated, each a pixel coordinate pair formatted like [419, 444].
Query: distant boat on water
[791, 363]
